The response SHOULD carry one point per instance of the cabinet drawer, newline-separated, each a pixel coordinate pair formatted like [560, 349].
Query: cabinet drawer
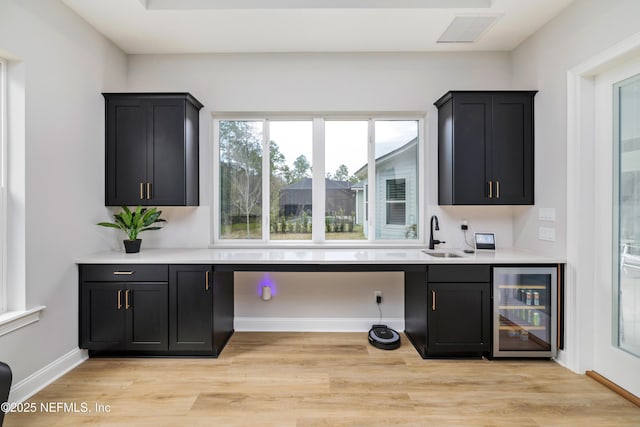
[124, 273]
[458, 273]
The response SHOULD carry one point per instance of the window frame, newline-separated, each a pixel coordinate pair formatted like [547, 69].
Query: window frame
[3, 185]
[318, 239]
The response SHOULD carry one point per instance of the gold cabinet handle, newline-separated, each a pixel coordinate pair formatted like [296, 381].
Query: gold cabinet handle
[433, 300]
[206, 280]
[491, 189]
[148, 190]
[141, 190]
[123, 273]
[126, 299]
[119, 299]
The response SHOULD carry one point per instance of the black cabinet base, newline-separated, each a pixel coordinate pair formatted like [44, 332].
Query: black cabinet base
[170, 354]
[424, 352]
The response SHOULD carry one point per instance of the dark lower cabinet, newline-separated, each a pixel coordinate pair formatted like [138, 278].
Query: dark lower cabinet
[223, 303]
[415, 309]
[200, 309]
[458, 318]
[124, 316]
[179, 310]
[191, 308]
[448, 311]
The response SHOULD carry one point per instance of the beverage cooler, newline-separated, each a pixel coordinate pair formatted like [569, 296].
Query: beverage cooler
[524, 307]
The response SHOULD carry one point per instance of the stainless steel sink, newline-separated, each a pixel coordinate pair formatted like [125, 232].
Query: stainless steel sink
[443, 254]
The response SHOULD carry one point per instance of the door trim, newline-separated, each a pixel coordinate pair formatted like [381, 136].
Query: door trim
[580, 283]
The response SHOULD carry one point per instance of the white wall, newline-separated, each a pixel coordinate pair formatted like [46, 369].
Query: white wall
[62, 65]
[320, 82]
[584, 29]
[581, 32]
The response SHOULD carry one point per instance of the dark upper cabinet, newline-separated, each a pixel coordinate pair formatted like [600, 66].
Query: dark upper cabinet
[190, 308]
[151, 149]
[485, 148]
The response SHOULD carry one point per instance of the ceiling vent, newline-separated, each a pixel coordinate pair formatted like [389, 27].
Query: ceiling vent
[467, 29]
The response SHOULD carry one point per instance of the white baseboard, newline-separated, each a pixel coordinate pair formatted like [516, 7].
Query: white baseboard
[40, 379]
[322, 324]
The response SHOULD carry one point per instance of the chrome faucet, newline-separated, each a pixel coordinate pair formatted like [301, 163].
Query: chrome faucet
[432, 242]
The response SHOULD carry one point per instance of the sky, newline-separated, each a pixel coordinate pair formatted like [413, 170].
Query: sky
[345, 141]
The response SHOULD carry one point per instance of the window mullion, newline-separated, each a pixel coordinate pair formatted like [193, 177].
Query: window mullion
[371, 178]
[215, 194]
[318, 192]
[422, 162]
[266, 181]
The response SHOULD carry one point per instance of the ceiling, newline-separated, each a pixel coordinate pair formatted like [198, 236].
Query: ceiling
[222, 26]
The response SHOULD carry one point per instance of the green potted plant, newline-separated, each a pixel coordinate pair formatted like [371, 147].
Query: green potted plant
[133, 223]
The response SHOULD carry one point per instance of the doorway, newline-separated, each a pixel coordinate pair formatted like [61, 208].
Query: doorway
[617, 224]
[593, 274]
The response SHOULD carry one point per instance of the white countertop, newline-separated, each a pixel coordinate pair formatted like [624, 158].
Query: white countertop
[314, 256]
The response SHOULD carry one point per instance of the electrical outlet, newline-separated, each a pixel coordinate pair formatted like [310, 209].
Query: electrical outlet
[378, 296]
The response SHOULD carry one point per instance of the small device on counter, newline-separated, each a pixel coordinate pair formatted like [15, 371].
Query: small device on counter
[485, 241]
[380, 336]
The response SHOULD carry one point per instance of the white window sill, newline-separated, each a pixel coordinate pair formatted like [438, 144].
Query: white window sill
[12, 320]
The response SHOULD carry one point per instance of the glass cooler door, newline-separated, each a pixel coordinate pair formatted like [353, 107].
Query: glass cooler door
[524, 307]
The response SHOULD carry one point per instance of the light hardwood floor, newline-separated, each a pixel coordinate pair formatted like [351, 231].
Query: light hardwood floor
[322, 379]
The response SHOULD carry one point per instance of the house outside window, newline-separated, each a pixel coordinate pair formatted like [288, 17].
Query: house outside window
[344, 180]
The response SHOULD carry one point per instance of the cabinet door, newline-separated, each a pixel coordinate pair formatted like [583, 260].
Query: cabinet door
[147, 320]
[512, 149]
[472, 133]
[126, 152]
[458, 318]
[166, 151]
[190, 308]
[102, 322]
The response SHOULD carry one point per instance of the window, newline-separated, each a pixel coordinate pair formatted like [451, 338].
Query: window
[291, 183]
[3, 183]
[344, 180]
[396, 202]
[345, 159]
[240, 171]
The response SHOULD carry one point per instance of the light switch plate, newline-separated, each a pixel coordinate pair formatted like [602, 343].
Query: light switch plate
[547, 214]
[547, 233]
